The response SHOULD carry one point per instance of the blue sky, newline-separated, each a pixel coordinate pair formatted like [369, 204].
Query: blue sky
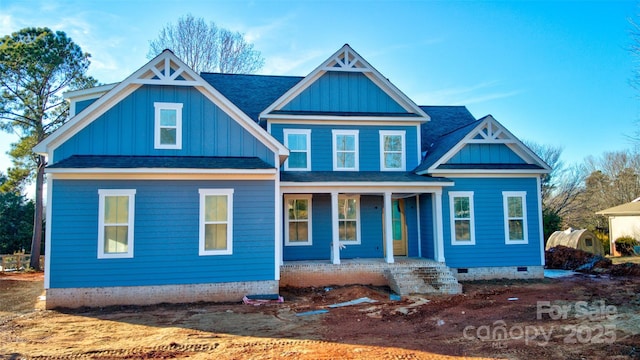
[555, 73]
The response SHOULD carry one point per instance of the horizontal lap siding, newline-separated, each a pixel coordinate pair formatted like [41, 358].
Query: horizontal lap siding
[344, 91]
[166, 235]
[412, 226]
[128, 129]
[369, 144]
[490, 248]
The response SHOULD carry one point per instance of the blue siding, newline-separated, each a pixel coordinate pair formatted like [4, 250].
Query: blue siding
[486, 154]
[411, 219]
[370, 227]
[344, 91]
[426, 226]
[369, 144]
[490, 248]
[83, 104]
[128, 129]
[166, 235]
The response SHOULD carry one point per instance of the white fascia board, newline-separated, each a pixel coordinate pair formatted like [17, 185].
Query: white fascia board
[157, 171]
[89, 93]
[361, 187]
[489, 174]
[315, 120]
[274, 118]
[369, 71]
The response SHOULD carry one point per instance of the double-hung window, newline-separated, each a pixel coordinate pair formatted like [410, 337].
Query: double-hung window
[349, 219]
[298, 142]
[392, 151]
[515, 217]
[216, 221]
[345, 150]
[168, 125]
[462, 219]
[115, 223]
[298, 230]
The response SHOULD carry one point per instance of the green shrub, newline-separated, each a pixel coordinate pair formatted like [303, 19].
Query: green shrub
[625, 244]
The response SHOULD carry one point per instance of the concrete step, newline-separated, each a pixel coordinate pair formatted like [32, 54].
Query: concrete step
[436, 278]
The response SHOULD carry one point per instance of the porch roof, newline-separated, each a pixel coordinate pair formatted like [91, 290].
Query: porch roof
[164, 162]
[361, 177]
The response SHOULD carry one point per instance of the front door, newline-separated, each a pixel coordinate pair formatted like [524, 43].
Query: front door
[399, 228]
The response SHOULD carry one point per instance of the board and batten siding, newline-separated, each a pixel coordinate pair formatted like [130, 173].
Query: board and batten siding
[128, 129]
[344, 92]
[166, 234]
[486, 154]
[490, 248]
[368, 139]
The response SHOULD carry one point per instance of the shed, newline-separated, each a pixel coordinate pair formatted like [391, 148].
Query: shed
[624, 220]
[577, 239]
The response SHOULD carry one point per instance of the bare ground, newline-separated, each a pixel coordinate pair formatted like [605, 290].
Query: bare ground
[602, 321]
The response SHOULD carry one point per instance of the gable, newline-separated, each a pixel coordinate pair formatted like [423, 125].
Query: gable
[351, 92]
[484, 146]
[345, 85]
[127, 128]
[171, 74]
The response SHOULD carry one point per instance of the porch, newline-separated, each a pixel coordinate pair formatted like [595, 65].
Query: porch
[404, 275]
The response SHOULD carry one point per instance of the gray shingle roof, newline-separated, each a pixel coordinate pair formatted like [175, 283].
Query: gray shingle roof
[167, 162]
[444, 120]
[251, 93]
[357, 176]
[444, 144]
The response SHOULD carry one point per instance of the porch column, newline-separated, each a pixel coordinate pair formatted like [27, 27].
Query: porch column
[335, 236]
[388, 228]
[439, 233]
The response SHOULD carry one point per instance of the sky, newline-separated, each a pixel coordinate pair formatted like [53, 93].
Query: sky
[553, 72]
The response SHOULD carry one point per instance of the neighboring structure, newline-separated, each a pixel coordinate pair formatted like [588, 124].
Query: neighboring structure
[624, 220]
[173, 186]
[577, 239]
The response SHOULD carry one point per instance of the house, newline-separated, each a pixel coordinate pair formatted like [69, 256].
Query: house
[624, 220]
[172, 186]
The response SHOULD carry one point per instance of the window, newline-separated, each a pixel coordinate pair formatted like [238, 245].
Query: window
[349, 219]
[168, 125]
[115, 223]
[392, 151]
[216, 221]
[345, 150]
[298, 217]
[515, 217]
[462, 220]
[299, 144]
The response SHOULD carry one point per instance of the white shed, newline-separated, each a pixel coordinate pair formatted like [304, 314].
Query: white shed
[577, 239]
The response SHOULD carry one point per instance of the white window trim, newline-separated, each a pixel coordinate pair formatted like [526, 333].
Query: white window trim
[402, 134]
[472, 225]
[307, 197]
[358, 230]
[356, 164]
[307, 132]
[167, 106]
[131, 218]
[525, 229]
[229, 194]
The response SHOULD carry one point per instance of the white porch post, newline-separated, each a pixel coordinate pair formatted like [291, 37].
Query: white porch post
[335, 244]
[388, 228]
[439, 243]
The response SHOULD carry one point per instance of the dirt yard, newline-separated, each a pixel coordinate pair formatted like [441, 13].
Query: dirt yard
[580, 317]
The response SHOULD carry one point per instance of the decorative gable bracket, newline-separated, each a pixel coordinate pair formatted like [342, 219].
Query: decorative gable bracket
[346, 60]
[167, 71]
[490, 132]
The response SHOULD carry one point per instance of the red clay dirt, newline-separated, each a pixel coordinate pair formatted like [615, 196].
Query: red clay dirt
[417, 327]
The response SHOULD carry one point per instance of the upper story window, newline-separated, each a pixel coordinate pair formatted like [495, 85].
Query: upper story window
[115, 223]
[299, 144]
[515, 217]
[298, 230]
[462, 219]
[345, 150]
[216, 221]
[168, 125]
[392, 151]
